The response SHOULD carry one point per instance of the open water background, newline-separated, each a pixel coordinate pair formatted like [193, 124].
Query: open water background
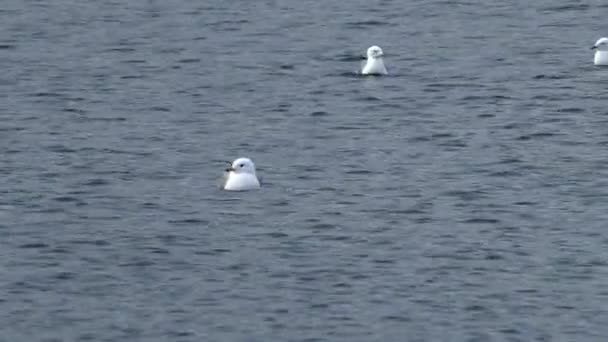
[462, 198]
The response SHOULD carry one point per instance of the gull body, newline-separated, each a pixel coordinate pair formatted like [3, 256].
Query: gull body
[375, 63]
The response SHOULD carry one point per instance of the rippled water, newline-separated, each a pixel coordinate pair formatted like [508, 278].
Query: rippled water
[462, 198]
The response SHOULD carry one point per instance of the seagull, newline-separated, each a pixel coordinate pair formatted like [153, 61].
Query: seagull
[241, 176]
[601, 52]
[374, 65]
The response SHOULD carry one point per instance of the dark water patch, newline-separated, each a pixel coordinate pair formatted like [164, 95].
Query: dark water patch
[538, 135]
[277, 235]
[571, 110]
[189, 221]
[181, 334]
[422, 138]
[232, 21]
[159, 109]
[46, 94]
[458, 143]
[96, 182]
[93, 242]
[474, 98]
[481, 220]
[150, 205]
[158, 250]
[518, 126]
[173, 50]
[121, 49]
[392, 105]
[102, 119]
[465, 195]
[131, 77]
[215, 251]
[136, 61]
[493, 256]
[396, 318]
[65, 276]
[549, 77]
[316, 92]
[189, 60]
[65, 199]
[441, 135]
[369, 98]
[137, 263]
[279, 110]
[476, 308]
[509, 161]
[12, 129]
[322, 226]
[328, 237]
[358, 172]
[348, 128]
[564, 8]
[74, 110]
[505, 173]
[34, 245]
[365, 23]
[526, 203]
[546, 97]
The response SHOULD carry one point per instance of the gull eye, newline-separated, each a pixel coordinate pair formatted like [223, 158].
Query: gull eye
[242, 165]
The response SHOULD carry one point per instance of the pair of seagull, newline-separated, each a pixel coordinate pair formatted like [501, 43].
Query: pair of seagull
[241, 174]
[375, 64]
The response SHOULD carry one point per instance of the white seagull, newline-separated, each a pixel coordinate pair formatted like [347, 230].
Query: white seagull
[601, 52]
[241, 176]
[374, 65]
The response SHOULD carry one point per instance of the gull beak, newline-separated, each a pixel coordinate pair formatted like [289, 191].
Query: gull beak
[593, 47]
[230, 169]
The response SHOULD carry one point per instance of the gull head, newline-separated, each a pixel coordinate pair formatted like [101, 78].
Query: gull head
[374, 52]
[242, 166]
[601, 45]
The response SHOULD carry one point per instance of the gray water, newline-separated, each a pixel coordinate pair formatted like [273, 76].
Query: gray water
[464, 197]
